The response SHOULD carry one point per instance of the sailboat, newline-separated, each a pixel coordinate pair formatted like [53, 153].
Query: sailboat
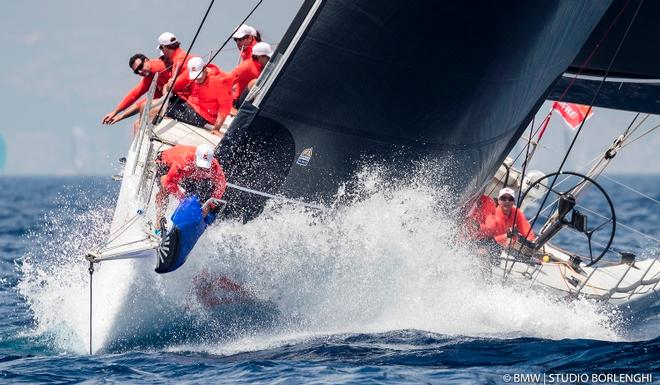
[589, 269]
[394, 83]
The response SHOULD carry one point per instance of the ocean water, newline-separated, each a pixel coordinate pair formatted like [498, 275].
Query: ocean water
[380, 292]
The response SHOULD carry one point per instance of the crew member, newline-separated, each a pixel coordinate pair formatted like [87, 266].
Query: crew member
[249, 70]
[147, 69]
[207, 99]
[170, 47]
[186, 170]
[246, 37]
[507, 222]
[481, 210]
[178, 59]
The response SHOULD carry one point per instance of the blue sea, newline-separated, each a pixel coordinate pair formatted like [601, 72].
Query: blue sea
[380, 294]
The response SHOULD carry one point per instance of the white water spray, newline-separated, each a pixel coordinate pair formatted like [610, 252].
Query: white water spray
[386, 261]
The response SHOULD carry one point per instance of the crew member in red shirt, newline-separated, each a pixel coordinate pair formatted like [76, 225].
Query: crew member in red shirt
[178, 59]
[244, 75]
[171, 49]
[481, 210]
[147, 69]
[507, 218]
[208, 101]
[246, 37]
[194, 170]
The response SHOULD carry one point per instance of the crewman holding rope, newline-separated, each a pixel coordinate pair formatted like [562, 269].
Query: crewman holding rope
[186, 170]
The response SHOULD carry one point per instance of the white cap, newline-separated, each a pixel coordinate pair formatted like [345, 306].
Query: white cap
[195, 66]
[204, 155]
[244, 30]
[260, 49]
[507, 191]
[166, 38]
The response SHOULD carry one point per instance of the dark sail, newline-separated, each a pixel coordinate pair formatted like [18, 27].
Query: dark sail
[624, 41]
[396, 82]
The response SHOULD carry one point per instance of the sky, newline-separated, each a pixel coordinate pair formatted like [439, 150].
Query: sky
[597, 135]
[66, 66]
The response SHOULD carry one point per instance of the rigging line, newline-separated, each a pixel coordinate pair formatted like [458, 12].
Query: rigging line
[593, 52]
[123, 228]
[228, 38]
[192, 43]
[106, 249]
[641, 136]
[522, 150]
[531, 128]
[522, 175]
[600, 155]
[541, 126]
[589, 164]
[189, 127]
[625, 133]
[154, 179]
[649, 237]
[91, 273]
[600, 86]
[279, 198]
[520, 187]
[124, 257]
[588, 59]
[632, 189]
[236, 29]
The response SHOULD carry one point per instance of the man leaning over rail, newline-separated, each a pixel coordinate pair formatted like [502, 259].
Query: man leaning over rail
[147, 69]
[186, 170]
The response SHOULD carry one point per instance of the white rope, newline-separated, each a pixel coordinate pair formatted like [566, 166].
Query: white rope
[106, 249]
[126, 256]
[279, 198]
[621, 224]
[590, 163]
[633, 190]
[641, 136]
[122, 228]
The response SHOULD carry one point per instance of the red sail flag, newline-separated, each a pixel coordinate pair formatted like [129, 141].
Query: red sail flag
[572, 113]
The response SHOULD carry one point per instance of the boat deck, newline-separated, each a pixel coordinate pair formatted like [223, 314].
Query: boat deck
[132, 230]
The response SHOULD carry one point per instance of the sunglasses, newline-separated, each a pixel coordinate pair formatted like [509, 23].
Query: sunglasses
[139, 68]
[505, 198]
[237, 39]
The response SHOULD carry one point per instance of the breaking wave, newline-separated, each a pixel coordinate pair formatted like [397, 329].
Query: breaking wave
[389, 260]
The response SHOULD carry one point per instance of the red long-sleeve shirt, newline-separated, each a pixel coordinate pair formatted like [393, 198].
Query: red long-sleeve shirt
[179, 154]
[183, 85]
[180, 66]
[211, 99]
[498, 224]
[483, 208]
[177, 60]
[244, 73]
[157, 66]
[246, 53]
[183, 167]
